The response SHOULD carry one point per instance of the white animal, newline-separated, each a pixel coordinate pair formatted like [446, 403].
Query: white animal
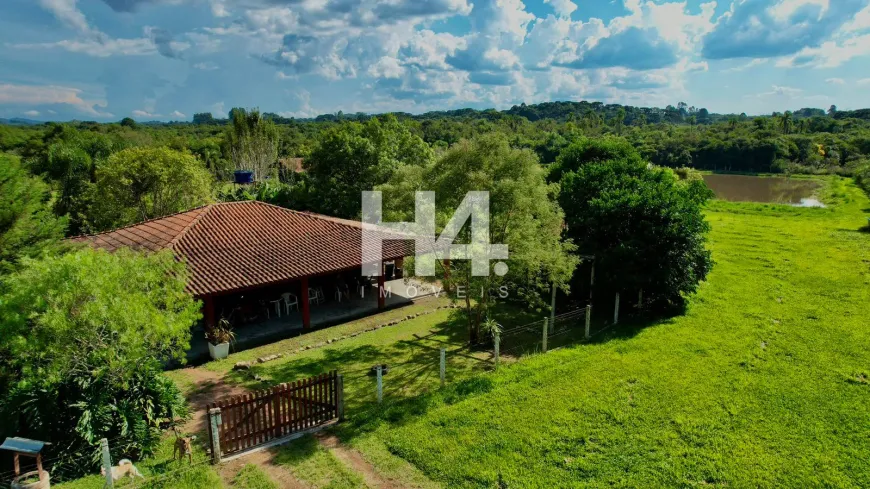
[124, 468]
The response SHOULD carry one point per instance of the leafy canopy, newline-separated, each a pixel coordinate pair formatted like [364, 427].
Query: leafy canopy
[644, 226]
[27, 225]
[82, 341]
[91, 310]
[353, 157]
[143, 183]
[523, 214]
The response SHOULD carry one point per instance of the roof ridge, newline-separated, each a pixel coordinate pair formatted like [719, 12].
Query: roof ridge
[316, 215]
[183, 232]
[139, 223]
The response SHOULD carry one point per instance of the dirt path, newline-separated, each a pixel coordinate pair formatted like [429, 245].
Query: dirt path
[355, 461]
[265, 460]
[208, 387]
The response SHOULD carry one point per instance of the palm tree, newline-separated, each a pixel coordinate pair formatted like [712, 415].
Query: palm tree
[786, 122]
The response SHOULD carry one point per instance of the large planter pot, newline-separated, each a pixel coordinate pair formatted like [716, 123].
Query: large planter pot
[220, 351]
[244, 176]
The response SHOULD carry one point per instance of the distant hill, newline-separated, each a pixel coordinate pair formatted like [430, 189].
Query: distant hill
[17, 121]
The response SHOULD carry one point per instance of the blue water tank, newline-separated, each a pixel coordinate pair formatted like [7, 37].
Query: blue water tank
[244, 176]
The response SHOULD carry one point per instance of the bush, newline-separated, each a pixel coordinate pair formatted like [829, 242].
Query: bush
[644, 227]
[83, 338]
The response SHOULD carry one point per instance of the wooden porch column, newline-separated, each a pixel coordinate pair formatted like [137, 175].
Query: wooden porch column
[208, 312]
[381, 288]
[306, 310]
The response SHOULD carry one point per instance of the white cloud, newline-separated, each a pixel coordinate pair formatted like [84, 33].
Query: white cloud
[784, 10]
[31, 113]
[206, 66]
[830, 54]
[178, 115]
[863, 82]
[780, 90]
[50, 95]
[755, 62]
[67, 12]
[219, 9]
[563, 8]
[142, 114]
[218, 109]
[386, 67]
[305, 109]
[860, 22]
[109, 47]
[835, 81]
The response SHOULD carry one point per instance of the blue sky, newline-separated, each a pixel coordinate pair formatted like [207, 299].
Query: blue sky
[168, 59]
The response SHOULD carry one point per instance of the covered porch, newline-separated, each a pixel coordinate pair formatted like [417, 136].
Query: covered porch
[256, 320]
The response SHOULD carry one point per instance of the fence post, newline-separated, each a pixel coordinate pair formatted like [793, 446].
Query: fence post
[339, 396]
[553, 308]
[588, 320]
[442, 370]
[214, 415]
[380, 384]
[107, 462]
[616, 309]
[544, 340]
[496, 340]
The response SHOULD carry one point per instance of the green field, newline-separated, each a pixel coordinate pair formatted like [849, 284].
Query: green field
[762, 383]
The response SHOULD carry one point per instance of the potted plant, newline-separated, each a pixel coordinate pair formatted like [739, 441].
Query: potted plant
[219, 338]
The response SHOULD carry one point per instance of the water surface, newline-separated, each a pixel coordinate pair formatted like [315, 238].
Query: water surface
[778, 190]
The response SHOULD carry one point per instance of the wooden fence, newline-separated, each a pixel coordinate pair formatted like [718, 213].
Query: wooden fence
[248, 421]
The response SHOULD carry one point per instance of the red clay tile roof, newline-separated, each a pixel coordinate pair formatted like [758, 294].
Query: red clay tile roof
[239, 245]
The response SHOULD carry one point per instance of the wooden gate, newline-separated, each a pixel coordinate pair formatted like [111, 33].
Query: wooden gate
[255, 419]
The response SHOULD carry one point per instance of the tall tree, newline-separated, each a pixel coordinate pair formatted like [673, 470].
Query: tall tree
[143, 183]
[786, 122]
[353, 157]
[523, 215]
[253, 142]
[645, 228]
[27, 225]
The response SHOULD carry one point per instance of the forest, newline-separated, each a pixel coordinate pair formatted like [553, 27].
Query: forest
[360, 150]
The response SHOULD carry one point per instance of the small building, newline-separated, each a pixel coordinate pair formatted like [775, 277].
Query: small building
[256, 263]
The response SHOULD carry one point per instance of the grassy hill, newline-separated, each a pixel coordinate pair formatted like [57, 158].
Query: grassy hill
[763, 383]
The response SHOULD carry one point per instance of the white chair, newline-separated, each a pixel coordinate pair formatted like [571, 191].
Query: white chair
[290, 300]
[338, 293]
[313, 296]
[277, 304]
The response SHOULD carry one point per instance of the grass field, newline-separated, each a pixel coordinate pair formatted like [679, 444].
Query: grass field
[762, 383]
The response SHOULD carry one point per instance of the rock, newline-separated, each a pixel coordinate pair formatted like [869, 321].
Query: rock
[242, 366]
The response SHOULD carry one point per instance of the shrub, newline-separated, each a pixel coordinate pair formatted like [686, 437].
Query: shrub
[83, 338]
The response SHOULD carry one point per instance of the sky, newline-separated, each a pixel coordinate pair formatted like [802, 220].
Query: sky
[165, 60]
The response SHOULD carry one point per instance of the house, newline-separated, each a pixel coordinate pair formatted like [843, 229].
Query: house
[255, 262]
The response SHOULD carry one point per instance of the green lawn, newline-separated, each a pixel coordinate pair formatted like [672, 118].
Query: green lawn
[763, 383]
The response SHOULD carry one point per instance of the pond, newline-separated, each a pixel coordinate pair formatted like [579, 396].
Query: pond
[779, 190]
